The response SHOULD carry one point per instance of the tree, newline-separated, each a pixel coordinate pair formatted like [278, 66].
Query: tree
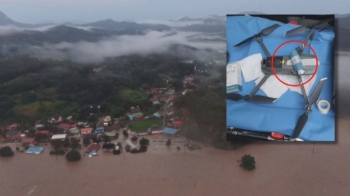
[168, 142]
[144, 141]
[143, 148]
[6, 151]
[39, 137]
[56, 144]
[66, 143]
[73, 155]
[134, 138]
[86, 141]
[74, 143]
[125, 133]
[105, 138]
[248, 162]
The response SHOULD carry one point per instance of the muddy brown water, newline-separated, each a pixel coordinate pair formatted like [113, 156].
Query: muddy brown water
[282, 169]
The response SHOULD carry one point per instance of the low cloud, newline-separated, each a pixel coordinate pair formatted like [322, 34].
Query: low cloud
[94, 52]
[172, 23]
[10, 29]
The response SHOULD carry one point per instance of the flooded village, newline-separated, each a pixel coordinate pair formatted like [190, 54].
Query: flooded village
[115, 135]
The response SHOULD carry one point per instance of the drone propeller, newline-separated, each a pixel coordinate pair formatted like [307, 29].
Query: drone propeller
[265, 31]
[256, 98]
[303, 118]
[303, 28]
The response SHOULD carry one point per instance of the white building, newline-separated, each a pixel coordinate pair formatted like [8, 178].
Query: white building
[59, 137]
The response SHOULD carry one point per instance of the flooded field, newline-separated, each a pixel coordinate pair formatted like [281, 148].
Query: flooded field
[282, 169]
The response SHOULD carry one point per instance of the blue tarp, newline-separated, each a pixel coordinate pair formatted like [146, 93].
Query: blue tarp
[35, 149]
[168, 130]
[281, 116]
[99, 129]
[156, 114]
[131, 116]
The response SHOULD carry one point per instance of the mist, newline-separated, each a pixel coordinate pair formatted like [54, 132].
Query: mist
[9, 29]
[171, 23]
[151, 42]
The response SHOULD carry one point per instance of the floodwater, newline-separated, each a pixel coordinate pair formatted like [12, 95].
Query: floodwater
[282, 169]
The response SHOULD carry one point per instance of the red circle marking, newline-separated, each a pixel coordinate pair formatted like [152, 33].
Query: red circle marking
[273, 61]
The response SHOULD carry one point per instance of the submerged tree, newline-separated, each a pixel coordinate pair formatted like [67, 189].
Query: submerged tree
[74, 143]
[248, 162]
[168, 142]
[144, 141]
[134, 138]
[73, 155]
[125, 133]
[6, 151]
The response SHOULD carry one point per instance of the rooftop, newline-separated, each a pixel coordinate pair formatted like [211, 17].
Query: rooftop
[110, 134]
[59, 136]
[170, 131]
[35, 150]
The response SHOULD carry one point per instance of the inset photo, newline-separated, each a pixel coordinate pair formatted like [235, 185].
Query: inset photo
[280, 77]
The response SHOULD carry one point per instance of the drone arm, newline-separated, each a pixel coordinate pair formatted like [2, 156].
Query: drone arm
[303, 89]
[262, 81]
[309, 37]
[260, 40]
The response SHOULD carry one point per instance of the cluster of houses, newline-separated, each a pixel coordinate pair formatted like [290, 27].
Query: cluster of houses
[161, 95]
[69, 127]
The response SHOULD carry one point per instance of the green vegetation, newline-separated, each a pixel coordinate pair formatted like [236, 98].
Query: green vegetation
[74, 143]
[143, 148]
[66, 143]
[33, 88]
[134, 138]
[125, 133]
[143, 125]
[247, 162]
[73, 155]
[6, 151]
[144, 142]
[86, 141]
[207, 120]
[105, 138]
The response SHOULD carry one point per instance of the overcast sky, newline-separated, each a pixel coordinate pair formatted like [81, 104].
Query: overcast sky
[37, 11]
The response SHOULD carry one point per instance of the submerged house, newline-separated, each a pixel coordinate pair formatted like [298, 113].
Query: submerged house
[157, 115]
[177, 123]
[67, 126]
[132, 146]
[28, 141]
[86, 130]
[59, 137]
[99, 129]
[111, 135]
[93, 147]
[13, 135]
[74, 131]
[108, 146]
[169, 131]
[35, 150]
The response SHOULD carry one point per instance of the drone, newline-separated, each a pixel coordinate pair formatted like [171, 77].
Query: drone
[280, 61]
